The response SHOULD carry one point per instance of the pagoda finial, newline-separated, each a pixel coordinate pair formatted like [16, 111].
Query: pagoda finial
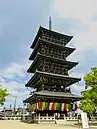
[50, 23]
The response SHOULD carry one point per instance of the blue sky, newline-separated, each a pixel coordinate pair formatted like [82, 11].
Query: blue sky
[19, 22]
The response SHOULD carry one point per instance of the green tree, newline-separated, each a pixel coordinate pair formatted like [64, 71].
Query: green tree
[89, 102]
[3, 95]
[86, 105]
[91, 78]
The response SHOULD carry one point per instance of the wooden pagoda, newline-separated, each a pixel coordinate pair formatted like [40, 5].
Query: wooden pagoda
[51, 79]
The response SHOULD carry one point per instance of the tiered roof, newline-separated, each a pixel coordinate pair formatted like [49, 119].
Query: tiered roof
[69, 65]
[35, 82]
[68, 50]
[50, 33]
[50, 66]
[49, 95]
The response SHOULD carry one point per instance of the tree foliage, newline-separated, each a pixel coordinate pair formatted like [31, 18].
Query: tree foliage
[91, 78]
[90, 95]
[3, 95]
[86, 105]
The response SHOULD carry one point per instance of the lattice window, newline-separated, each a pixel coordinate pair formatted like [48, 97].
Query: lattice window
[51, 70]
[47, 37]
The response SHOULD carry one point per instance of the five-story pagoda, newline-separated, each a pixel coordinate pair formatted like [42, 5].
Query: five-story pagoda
[51, 78]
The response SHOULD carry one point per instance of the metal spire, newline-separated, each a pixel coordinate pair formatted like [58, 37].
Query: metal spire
[50, 23]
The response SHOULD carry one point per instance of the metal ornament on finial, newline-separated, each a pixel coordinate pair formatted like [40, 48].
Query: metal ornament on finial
[50, 23]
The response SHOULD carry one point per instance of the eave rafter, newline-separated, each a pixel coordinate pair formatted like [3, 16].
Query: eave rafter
[51, 33]
[40, 41]
[69, 65]
[59, 96]
[66, 80]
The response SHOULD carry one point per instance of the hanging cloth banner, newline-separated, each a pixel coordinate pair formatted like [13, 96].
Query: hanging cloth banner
[46, 105]
[29, 107]
[43, 105]
[62, 107]
[32, 107]
[37, 108]
[69, 107]
[56, 106]
[74, 107]
[51, 106]
[40, 106]
[66, 107]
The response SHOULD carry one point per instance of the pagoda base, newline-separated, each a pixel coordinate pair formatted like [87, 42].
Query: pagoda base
[48, 117]
[53, 118]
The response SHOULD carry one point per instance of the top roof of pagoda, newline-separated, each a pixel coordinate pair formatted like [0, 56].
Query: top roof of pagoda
[51, 33]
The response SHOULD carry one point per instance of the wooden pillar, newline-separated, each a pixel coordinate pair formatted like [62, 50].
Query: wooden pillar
[34, 116]
[47, 115]
[23, 113]
[58, 114]
[38, 118]
[65, 119]
[54, 116]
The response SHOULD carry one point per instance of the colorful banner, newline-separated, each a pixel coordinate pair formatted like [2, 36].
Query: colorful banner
[52, 106]
[37, 108]
[56, 106]
[74, 107]
[62, 107]
[69, 107]
[31, 107]
[46, 105]
[66, 107]
[43, 105]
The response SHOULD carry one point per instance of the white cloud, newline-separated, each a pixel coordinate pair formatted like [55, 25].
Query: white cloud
[15, 69]
[1, 79]
[77, 89]
[84, 30]
[83, 10]
[14, 88]
[85, 39]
